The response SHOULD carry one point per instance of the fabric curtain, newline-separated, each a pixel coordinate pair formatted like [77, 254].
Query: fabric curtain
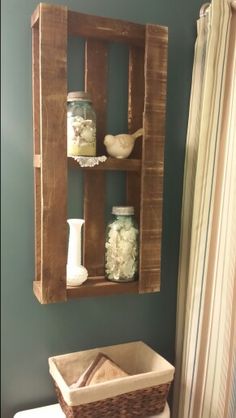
[205, 380]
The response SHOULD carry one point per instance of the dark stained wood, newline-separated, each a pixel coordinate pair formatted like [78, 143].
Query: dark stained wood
[96, 75]
[147, 95]
[94, 182]
[107, 29]
[99, 286]
[94, 227]
[136, 96]
[153, 157]
[133, 190]
[36, 138]
[53, 88]
[111, 164]
[135, 121]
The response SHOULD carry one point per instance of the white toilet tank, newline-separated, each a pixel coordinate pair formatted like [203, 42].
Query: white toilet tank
[54, 411]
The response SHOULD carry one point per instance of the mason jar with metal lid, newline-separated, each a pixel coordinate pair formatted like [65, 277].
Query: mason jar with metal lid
[81, 125]
[121, 247]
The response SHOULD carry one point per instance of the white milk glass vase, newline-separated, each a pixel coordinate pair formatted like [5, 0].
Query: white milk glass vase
[76, 273]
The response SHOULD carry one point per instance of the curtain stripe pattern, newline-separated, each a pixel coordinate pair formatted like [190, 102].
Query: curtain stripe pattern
[205, 381]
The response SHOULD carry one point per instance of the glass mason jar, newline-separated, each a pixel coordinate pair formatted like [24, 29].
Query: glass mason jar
[81, 125]
[121, 247]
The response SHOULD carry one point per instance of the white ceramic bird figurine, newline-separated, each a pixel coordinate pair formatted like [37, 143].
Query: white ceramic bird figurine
[121, 146]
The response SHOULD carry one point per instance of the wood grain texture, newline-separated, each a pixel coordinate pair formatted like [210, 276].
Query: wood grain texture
[111, 164]
[136, 96]
[94, 182]
[153, 157]
[99, 286]
[135, 121]
[107, 29]
[53, 94]
[96, 83]
[36, 141]
[147, 77]
[94, 227]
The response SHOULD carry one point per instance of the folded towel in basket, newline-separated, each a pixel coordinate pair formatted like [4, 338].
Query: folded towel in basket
[100, 370]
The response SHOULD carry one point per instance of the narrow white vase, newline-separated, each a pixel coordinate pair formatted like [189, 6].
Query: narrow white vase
[76, 274]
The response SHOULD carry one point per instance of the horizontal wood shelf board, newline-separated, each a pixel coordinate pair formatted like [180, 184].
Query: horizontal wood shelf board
[111, 164]
[96, 286]
[90, 26]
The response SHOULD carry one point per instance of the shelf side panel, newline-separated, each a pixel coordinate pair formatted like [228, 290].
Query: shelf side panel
[96, 68]
[53, 93]
[36, 139]
[153, 157]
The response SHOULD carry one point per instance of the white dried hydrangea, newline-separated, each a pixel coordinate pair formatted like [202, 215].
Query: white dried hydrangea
[121, 249]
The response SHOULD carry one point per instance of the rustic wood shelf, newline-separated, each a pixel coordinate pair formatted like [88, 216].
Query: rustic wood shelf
[99, 286]
[147, 78]
[94, 286]
[111, 164]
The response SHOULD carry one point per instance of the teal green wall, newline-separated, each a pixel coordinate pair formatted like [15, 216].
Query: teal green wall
[31, 332]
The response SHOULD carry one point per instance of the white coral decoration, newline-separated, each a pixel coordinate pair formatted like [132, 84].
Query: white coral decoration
[121, 250]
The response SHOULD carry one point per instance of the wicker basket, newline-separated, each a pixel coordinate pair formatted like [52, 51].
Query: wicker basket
[141, 394]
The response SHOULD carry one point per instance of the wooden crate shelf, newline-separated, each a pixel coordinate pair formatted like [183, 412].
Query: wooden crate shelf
[147, 77]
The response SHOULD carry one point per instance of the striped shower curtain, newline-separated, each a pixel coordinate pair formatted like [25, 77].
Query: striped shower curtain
[205, 380]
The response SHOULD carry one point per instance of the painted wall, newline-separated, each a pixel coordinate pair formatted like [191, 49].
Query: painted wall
[31, 332]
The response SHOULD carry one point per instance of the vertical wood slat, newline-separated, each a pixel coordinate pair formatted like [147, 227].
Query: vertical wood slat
[153, 157]
[136, 95]
[36, 135]
[53, 93]
[135, 121]
[96, 69]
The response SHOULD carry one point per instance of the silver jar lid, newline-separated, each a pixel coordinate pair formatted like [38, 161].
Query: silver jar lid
[122, 210]
[78, 95]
